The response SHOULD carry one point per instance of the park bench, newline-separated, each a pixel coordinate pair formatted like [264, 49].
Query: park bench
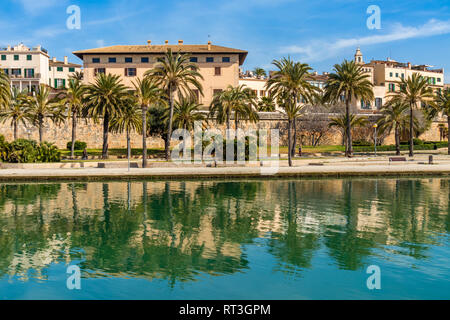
[396, 159]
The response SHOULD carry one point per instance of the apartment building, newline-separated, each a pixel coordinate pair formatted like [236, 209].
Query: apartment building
[218, 65]
[386, 76]
[26, 67]
[60, 72]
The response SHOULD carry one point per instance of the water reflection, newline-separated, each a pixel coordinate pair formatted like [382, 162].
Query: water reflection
[177, 231]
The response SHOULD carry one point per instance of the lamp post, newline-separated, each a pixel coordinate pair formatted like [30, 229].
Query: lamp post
[375, 126]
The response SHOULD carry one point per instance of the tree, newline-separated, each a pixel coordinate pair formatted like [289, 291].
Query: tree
[5, 91]
[394, 116]
[104, 99]
[413, 90]
[175, 74]
[41, 106]
[16, 111]
[186, 113]
[342, 123]
[266, 104]
[351, 82]
[147, 93]
[289, 86]
[129, 119]
[260, 72]
[77, 75]
[442, 105]
[73, 99]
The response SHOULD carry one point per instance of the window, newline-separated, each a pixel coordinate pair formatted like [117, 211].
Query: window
[217, 71]
[403, 76]
[391, 87]
[60, 83]
[378, 103]
[226, 59]
[112, 60]
[145, 60]
[60, 69]
[71, 69]
[99, 70]
[6, 71]
[29, 73]
[193, 59]
[438, 79]
[16, 57]
[128, 60]
[16, 72]
[262, 93]
[396, 75]
[391, 74]
[3, 57]
[130, 72]
[29, 57]
[95, 60]
[196, 95]
[209, 59]
[365, 105]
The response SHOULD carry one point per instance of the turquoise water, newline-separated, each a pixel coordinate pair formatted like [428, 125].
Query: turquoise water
[257, 239]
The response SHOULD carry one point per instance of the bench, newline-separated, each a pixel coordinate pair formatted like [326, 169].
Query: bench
[396, 159]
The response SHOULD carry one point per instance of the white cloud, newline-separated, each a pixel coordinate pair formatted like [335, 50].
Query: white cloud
[322, 50]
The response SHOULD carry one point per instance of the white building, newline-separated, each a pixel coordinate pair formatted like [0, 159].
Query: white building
[60, 72]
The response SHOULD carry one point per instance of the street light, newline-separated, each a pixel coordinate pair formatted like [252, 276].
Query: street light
[375, 126]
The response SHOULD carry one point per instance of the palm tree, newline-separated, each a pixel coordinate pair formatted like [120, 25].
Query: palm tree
[266, 104]
[442, 104]
[186, 113]
[41, 106]
[146, 93]
[260, 72]
[104, 99]
[289, 85]
[73, 99]
[350, 82]
[16, 112]
[413, 91]
[128, 120]
[77, 75]
[394, 115]
[5, 91]
[176, 74]
[342, 122]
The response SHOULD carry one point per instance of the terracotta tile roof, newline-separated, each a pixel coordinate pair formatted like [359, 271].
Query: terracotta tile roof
[61, 64]
[159, 49]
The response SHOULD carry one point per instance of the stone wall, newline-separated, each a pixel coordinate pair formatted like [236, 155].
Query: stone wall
[92, 133]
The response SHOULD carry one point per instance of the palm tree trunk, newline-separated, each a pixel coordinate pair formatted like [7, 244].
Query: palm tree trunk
[290, 142]
[448, 133]
[236, 122]
[169, 131]
[397, 141]
[144, 136]
[74, 134]
[228, 124]
[15, 129]
[105, 135]
[41, 129]
[128, 148]
[349, 148]
[294, 143]
[411, 132]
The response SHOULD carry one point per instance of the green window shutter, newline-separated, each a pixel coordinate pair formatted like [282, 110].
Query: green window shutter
[56, 83]
[64, 83]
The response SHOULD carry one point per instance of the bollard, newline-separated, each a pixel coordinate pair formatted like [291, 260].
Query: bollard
[430, 160]
[300, 151]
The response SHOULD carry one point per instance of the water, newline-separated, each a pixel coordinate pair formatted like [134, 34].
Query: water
[257, 239]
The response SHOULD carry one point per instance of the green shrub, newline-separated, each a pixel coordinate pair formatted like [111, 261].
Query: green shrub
[28, 151]
[362, 143]
[48, 152]
[417, 142]
[79, 145]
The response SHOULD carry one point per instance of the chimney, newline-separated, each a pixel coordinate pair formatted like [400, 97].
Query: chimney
[409, 65]
[180, 42]
[54, 59]
[149, 42]
[209, 45]
[9, 48]
[167, 42]
[65, 60]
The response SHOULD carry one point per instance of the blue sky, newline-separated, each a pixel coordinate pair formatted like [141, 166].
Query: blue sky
[318, 32]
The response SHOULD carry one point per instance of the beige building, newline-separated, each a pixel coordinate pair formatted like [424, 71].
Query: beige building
[386, 76]
[60, 72]
[26, 67]
[218, 65]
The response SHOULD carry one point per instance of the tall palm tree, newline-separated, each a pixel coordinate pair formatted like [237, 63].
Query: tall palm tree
[104, 99]
[147, 93]
[289, 85]
[266, 104]
[73, 99]
[351, 82]
[16, 111]
[442, 105]
[5, 91]
[413, 90]
[186, 113]
[260, 72]
[394, 115]
[41, 106]
[128, 120]
[77, 75]
[176, 74]
[342, 122]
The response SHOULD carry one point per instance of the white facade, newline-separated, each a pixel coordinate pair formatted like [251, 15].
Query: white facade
[60, 72]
